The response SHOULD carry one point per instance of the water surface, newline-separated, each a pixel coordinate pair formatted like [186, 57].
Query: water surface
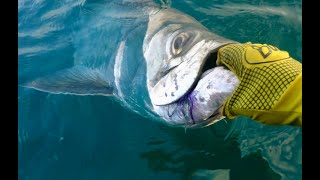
[93, 137]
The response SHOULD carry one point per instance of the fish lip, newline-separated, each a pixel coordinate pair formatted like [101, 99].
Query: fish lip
[205, 61]
[216, 116]
[205, 123]
[212, 119]
[161, 95]
[207, 57]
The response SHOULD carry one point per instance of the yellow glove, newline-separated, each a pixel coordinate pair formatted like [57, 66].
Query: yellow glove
[270, 89]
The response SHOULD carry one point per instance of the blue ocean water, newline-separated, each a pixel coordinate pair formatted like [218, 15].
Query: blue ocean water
[94, 137]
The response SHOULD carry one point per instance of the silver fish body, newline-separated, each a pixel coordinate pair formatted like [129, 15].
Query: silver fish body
[151, 59]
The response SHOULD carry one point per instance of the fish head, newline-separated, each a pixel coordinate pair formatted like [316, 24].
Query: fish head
[178, 51]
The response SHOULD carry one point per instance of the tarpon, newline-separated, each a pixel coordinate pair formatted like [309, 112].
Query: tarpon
[162, 64]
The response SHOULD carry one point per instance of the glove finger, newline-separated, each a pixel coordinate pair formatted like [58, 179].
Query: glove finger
[231, 56]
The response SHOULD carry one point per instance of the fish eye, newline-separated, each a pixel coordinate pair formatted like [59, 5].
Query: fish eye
[179, 42]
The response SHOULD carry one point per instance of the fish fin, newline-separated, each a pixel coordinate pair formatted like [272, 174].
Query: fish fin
[78, 80]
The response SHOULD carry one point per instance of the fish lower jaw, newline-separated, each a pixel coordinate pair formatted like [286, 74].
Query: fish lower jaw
[207, 122]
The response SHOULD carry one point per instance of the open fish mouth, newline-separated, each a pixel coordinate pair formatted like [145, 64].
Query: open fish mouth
[210, 60]
[181, 79]
[216, 116]
[209, 86]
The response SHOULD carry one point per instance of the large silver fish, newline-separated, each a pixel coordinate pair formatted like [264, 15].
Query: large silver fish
[162, 64]
[122, 49]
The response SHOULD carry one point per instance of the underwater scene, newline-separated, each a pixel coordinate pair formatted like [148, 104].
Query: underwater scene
[114, 133]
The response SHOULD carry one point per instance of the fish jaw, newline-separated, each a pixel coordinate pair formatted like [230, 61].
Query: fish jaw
[213, 89]
[201, 107]
[181, 79]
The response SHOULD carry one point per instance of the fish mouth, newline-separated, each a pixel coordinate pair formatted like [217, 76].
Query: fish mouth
[189, 78]
[181, 79]
[214, 118]
[210, 60]
[209, 64]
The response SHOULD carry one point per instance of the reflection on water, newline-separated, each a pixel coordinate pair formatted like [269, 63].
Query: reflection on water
[219, 174]
[232, 9]
[189, 152]
[275, 22]
[280, 146]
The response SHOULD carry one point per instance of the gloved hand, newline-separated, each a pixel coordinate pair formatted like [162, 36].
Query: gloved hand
[270, 89]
